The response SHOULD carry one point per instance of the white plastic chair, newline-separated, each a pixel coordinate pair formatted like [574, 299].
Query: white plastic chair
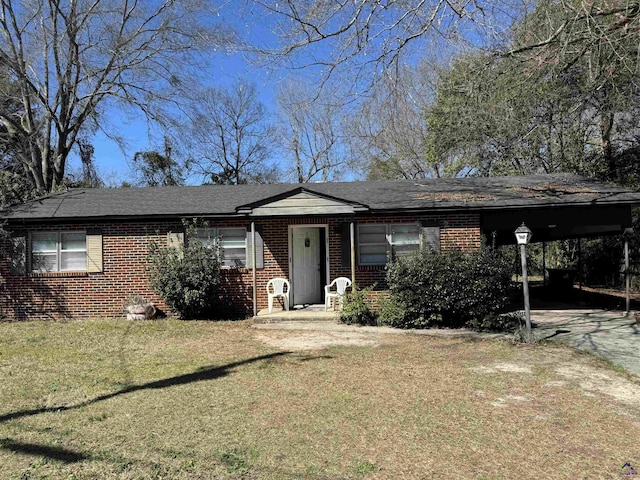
[341, 284]
[276, 288]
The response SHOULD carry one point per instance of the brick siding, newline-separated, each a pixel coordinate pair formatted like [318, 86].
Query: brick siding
[125, 249]
[81, 295]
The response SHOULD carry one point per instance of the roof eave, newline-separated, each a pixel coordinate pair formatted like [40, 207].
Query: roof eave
[246, 212]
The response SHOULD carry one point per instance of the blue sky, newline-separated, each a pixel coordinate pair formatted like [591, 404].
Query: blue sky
[219, 68]
[113, 163]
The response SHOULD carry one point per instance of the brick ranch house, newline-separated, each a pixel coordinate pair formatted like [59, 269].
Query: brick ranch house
[82, 252]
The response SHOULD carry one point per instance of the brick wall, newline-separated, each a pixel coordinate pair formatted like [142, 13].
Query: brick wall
[125, 248]
[81, 295]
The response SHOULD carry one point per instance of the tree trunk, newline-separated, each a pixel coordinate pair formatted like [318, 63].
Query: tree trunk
[606, 127]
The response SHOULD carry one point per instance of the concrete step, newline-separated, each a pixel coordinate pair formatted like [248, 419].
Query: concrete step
[312, 314]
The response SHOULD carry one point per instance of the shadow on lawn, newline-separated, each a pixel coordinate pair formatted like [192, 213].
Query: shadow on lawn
[54, 453]
[202, 374]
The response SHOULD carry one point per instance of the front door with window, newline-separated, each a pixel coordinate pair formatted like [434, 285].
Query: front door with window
[307, 265]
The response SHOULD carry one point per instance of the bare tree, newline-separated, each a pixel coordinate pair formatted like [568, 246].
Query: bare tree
[598, 39]
[541, 108]
[73, 59]
[595, 41]
[14, 188]
[563, 33]
[366, 37]
[228, 137]
[310, 134]
[388, 130]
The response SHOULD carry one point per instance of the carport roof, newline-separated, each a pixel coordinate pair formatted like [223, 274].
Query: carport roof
[470, 194]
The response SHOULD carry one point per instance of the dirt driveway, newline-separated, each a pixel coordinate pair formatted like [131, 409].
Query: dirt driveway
[609, 334]
[314, 335]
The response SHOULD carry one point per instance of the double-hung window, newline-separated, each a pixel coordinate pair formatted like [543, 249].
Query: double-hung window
[378, 242]
[58, 252]
[230, 242]
[403, 239]
[372, 244]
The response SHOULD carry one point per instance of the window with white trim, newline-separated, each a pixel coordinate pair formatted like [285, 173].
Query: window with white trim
[231, 242]
[378, 242]
[58, 252]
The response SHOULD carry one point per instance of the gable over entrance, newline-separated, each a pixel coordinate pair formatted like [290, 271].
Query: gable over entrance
[301, 202]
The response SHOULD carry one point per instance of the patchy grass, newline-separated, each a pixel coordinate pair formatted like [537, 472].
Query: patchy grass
[190, 400]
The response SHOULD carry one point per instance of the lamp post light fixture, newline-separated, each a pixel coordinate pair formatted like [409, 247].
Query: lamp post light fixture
[523, 237]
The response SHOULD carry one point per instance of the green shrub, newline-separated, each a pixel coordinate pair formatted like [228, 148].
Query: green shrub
[449, 288]
[356, 308]
[394, 314]
[505, 322]
[187, 278]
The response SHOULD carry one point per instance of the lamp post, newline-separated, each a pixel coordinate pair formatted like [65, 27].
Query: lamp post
[523, 236]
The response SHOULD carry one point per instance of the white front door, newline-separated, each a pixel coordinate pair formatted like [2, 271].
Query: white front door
[306, 266]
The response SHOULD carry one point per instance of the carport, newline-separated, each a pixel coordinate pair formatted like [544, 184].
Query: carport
[558, 212]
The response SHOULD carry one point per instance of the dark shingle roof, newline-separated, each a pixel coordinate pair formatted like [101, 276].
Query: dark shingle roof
[474, 193]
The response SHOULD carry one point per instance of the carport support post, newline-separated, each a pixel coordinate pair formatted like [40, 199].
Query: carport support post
[352, 234]
[253, 270]
[627, 277]
[580, 267]
[544, 263]
[525, 288]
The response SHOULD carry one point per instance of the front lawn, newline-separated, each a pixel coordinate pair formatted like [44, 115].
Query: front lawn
[190, 400]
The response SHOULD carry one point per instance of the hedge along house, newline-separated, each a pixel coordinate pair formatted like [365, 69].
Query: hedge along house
[82, 253]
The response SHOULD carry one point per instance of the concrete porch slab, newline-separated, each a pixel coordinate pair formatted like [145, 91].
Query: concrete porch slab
[306, 313]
